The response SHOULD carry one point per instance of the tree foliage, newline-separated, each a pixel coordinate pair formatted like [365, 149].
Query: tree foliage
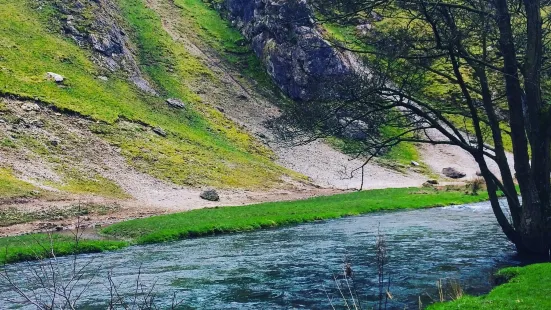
[470, 73]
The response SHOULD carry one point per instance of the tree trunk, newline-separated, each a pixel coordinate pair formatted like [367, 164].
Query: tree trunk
[533, 176]
[492, 189]
[534, 232]
[535, 227]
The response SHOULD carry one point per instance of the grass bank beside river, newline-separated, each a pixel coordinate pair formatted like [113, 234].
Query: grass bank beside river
[526, 288]
[233, 219]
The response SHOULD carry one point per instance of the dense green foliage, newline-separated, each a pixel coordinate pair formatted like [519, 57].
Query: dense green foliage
[527, 288]
[235, 219]
[346, 35]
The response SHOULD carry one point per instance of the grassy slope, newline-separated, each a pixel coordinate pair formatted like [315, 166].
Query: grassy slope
[202, 146]
[245, 218]
[527, 288]
[11, 187]
[208, 28]
[249, 161]
[11, 215]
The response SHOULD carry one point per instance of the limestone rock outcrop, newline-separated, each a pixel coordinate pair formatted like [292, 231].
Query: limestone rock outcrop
[284, 36]
[103, 35]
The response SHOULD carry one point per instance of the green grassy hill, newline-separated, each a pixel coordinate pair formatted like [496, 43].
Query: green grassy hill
[198, 146]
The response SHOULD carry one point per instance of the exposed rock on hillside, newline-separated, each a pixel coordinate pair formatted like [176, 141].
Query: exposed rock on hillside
[159, 131]
[453, 173]
[354, 129]
[102, 34]
[286, 38]
[176, 103]
[210, 195]
[54, 76]
[29, 106]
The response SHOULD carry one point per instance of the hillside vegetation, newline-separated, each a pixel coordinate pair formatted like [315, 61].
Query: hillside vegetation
[198, 146]
[343, 33]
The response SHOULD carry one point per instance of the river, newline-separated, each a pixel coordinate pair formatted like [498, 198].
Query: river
[293, 267]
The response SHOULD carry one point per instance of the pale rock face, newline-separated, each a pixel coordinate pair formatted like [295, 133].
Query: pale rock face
[29, 106]
[354, 129]
[58, 78]
[284, 36]
[175, 103]
[363, 30]
[104, 36]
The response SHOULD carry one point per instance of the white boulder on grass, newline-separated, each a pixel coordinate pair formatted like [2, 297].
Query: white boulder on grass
[58, 78]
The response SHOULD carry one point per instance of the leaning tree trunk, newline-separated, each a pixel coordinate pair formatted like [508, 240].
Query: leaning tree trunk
[531, 234]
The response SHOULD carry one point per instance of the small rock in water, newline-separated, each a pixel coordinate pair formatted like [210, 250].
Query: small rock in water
[176, 103]
[432, 181]
[210, 195]
[453, 173]
[159, 131]
[29, 106]
[58, 78]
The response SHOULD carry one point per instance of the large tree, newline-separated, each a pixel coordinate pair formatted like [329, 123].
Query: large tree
[470, 73]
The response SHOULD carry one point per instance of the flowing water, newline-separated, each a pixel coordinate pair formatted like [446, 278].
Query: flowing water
[293, 267]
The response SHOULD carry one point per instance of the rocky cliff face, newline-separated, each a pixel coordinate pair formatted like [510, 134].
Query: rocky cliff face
[286, 38]
[103, 35]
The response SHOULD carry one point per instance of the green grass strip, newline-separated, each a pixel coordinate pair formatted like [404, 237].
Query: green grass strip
[39, 246]
[528, 288]
[245, 218]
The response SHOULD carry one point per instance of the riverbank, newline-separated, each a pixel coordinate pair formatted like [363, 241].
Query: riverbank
[238, 219]
[232, 219]
[526, 288]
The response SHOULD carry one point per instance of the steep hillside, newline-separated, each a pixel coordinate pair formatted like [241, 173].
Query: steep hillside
[159, 100]
[193, 146]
